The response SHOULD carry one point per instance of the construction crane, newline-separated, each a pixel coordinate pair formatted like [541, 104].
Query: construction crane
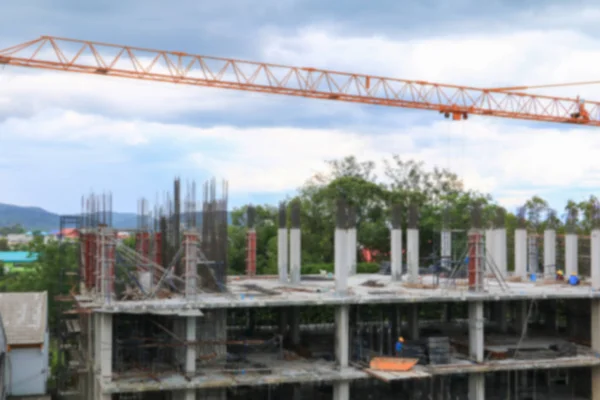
[456, 102]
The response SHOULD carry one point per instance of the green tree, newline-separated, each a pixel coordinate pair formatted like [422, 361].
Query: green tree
[4, 244]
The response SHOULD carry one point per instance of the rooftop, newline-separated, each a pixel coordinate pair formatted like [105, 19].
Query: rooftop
[24, 316]
[18, 257]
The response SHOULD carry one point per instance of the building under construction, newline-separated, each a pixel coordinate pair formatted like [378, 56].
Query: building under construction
[165, 321]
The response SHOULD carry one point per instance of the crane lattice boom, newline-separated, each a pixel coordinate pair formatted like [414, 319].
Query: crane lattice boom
[454, 101]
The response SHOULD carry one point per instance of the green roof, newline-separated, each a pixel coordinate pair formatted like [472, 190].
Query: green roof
[18, 257]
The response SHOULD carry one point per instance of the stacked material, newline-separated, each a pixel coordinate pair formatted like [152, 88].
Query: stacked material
[439, 350]
[566, 349]
[415, 351]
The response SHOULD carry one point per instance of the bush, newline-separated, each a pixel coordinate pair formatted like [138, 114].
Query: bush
[361, 268]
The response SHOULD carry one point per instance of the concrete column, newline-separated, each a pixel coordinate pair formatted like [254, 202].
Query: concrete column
[499, 251]
[341, 390]
[413, 321]
[446, 250]
[571, 255]
[340, 264]
[476, 341]
[396, 243]
[190, 354]
[521, 253]
[595, 258]
[295, 244]
[396, 256]
[549, 253]
[595, 328]
[106, 342]
[295, 255]
[282, 245]
[489, 244]
[352, 250]
[412, 254]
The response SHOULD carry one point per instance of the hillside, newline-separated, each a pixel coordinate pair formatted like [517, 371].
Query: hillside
[33, 218]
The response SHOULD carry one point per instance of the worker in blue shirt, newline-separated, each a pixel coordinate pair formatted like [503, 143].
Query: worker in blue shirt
[399, 346]
[574, 280]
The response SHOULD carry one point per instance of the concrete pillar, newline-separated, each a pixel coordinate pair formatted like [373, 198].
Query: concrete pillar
[499, 251]
[532, 252]
[295, 244]
[282, 245]
[191, 264]
[550, 253]
[490, 242]
[396, 256]
[106, 343]
[476, 341]
[295, 255]
[341, 390]
[413, 321]
[571, 255]
[521, 253]
[595, 259]
[352, 250]
[412, 254]
[396, 243]
[340, 263]
[595, 328]
[351, 237]
[446, 250]
[190, 354]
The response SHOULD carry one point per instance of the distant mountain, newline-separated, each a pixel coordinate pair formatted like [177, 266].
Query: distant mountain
[33, 218]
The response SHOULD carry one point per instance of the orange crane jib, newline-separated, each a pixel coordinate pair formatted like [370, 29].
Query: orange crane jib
[456, 102]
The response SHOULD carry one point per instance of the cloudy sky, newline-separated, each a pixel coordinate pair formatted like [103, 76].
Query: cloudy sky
[62, 135]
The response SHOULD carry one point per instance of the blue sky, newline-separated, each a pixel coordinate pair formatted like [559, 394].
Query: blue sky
[63, 135]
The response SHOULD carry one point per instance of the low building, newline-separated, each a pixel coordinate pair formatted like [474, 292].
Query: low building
[15, 239]
[16, 261]
[25, 319]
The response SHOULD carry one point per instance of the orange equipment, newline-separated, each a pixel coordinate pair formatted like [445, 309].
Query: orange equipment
[393, 364]
[454, 101]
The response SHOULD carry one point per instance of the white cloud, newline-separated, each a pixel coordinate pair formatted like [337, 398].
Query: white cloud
[492, 157]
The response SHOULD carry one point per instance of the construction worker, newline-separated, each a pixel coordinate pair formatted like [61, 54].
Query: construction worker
[559, 275]
[399, 346]
[573, 280]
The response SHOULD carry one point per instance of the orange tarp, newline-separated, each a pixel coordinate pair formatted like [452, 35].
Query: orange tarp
[393, 364]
